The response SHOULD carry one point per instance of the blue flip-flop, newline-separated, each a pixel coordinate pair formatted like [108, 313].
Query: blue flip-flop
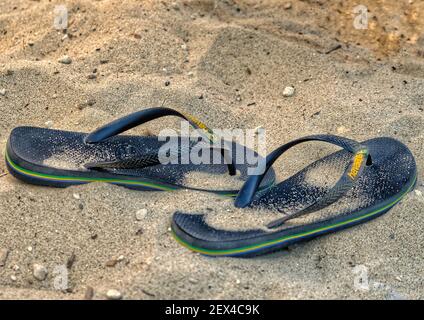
[377, 174]
[59, 158]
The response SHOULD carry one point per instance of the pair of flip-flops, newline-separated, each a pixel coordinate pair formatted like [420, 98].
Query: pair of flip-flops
[376, 174]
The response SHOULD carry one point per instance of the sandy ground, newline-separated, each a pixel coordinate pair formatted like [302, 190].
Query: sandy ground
[228, 63]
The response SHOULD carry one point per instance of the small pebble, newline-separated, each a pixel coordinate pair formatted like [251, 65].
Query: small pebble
[30, 43]
[29, 249]
[39, 272]
[190, 74]
[113, 294]
[287, 6]
[192, 280]
[13, 278]
[167, 83]
[2, 92]
[288, 91]
[76, 196]
[418, 193]
[174, 6]
[92, 76]
[49, 124]
[65, 60]
[104, 61]
[120, 258]
[4, 253]
[140, 214]
[184, 46]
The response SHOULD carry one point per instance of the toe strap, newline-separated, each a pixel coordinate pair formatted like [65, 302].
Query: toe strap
[360, 157]
[138, 118]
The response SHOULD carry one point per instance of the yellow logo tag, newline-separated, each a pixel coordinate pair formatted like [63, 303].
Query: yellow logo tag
[201, 125]
[357, 162]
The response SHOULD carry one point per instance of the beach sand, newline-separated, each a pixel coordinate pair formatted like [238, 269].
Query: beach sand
[227, 62]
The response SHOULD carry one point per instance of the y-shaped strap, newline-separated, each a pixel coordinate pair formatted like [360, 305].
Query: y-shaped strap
[137, 118]
[350, 175]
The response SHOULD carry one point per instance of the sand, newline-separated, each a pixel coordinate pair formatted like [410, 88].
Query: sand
[227, 62]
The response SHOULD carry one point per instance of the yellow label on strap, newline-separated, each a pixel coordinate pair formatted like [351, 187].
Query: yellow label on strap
[357, 163]
[200, 125]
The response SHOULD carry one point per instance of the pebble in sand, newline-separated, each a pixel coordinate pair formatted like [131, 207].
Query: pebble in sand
[65, 60]
[113, 294]
[288, 91]
[39, 272]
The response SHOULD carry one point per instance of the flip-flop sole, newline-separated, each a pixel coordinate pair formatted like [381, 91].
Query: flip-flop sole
[56, 158]
[381, 186]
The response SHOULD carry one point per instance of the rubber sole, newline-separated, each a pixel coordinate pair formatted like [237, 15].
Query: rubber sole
[28, 149]
[50, 180]
[282, 242]
[382, 184]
